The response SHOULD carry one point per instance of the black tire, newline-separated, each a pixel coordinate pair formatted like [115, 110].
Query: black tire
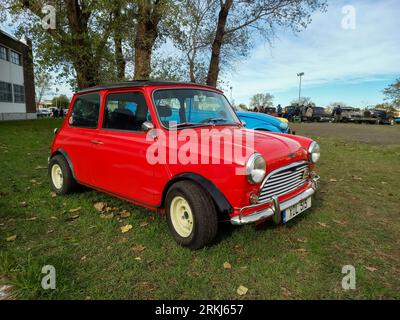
[205, 217]
[68, 182]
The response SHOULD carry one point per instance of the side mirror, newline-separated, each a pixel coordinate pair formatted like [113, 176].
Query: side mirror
[147, 126]
[244, 123]
[55, 131]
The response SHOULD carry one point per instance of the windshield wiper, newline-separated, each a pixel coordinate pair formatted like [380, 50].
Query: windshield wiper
[213, 120]
[188, 124]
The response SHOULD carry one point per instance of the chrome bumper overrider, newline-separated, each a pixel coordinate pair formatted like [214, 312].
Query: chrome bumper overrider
[276, 208]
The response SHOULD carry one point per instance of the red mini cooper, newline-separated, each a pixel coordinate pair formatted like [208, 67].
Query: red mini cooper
[180, 148]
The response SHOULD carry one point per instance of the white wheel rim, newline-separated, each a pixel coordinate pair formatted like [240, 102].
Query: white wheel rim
[181, 216]
[57, 176]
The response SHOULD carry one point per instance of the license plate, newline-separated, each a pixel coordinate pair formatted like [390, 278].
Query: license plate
[296, 209]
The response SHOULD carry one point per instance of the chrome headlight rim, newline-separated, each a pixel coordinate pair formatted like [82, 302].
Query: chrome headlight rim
[256, 168]
[314, 152]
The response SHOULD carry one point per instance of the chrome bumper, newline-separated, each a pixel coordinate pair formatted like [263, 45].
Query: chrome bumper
[276, 209]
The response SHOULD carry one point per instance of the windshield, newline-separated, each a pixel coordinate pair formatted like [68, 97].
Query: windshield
[193, 107]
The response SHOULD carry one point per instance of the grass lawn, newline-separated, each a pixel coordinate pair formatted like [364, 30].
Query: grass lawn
[355, 220]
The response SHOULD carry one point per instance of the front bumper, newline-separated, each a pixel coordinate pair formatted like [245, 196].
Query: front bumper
[276, 208]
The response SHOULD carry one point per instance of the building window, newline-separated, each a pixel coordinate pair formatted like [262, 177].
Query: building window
[19, 94]
[16, 58]
[5, 92]
[3, 53]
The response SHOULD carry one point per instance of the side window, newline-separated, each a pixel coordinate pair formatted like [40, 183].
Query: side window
[125, 111]
[85, 112]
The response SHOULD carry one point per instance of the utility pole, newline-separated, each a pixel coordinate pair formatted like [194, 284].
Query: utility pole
[300, 75]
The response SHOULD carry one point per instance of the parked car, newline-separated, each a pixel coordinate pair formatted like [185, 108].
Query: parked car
[320, 115]
[376, 116]
[350, 114]
[43, 113]
[396, 116]
[262, 121]
[105, 141]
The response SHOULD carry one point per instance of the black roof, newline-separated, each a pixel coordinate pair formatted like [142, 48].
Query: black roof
[137, 83]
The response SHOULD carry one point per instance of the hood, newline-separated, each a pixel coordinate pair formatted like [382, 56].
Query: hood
[277, 149]
[260, 117]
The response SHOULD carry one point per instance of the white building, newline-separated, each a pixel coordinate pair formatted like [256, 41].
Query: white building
[17, 90]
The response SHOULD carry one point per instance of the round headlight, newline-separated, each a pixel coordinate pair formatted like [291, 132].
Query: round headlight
[284, 125]
[256, 168]
[314, 152]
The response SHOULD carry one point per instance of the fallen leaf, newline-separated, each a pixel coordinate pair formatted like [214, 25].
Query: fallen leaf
[23, 204]
[372, 269]
[33, 180]
[53, 217]
[83, 258]
[227, 265]
[138, 258]
[139, 248]
[50, 231]
[109, 248]
[332, 180]
[126, 228]
[241, 291]
[106, 216]
[143, 224]
[53, 194]
[124, 214]
[40, 167]
[301, 250]
[339, 222]
[31, 218]
[75, 216]
[286, 292]
[322, 224]
[357, 178]
[99, 206]
[12, 238]
[75, 210]
[151, 219]
[301, 240]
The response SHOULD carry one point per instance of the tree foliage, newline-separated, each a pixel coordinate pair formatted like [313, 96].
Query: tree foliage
[392, 93]
[262, 100]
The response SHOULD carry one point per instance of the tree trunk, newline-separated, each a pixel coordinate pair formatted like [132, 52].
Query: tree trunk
[119, 55]
[84, 63]
[149, 16]
[213, 70]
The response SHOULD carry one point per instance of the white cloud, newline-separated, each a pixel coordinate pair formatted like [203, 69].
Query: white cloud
[326, 52]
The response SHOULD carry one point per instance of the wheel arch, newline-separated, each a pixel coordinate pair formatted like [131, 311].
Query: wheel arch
[222, 204]
[65, 155]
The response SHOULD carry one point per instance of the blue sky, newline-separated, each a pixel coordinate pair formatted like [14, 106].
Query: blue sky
[349, 65]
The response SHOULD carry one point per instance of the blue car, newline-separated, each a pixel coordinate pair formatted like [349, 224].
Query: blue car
[262, 121]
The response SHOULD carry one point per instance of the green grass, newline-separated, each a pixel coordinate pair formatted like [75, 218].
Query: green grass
[352, 222]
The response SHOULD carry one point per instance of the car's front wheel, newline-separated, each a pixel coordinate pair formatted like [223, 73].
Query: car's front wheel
[61, 178]
[191, 215]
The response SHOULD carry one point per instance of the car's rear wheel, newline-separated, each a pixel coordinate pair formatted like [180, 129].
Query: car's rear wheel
[61, 178]
[191, 215]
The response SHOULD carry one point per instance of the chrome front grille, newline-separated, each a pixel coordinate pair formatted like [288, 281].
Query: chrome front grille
[284, 180]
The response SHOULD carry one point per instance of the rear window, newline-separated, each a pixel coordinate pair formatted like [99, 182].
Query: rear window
[85, 111]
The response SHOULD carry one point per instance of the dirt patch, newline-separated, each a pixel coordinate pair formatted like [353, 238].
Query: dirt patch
[366, 133]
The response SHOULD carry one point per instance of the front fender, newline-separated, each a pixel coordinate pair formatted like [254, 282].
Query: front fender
[219, 198]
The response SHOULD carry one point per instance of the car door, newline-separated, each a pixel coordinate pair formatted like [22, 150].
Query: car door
[78, 137]
[121, 167]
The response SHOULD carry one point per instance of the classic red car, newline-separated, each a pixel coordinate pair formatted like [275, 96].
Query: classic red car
[151, 143]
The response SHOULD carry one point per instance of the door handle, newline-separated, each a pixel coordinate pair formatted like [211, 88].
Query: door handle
[96, 142]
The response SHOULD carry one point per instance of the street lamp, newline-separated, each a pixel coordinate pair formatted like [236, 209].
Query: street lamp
[300, 75]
